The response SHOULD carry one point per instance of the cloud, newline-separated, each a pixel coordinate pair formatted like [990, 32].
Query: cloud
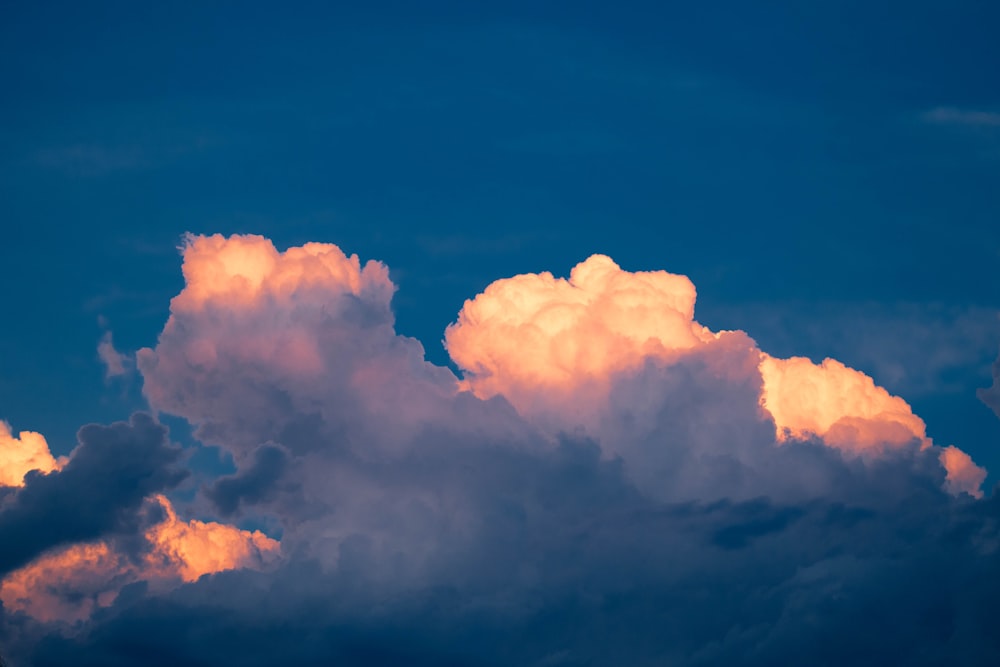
[964, 117]
[914, 349]
[261, 344]
[72, 583]
[535, 334]
[609, 482]
[751, 583]
[555, 347]
[963, 475]
[115, 363]
[254, 483]
[991, 395]
[20, 455]
[837, 403]
[97, 492]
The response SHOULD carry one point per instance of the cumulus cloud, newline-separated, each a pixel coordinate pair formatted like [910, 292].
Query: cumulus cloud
[842, 405]
[97, 492]
[22, 454]
[609, 482]
[261, 345]
[535, 338]
[72, 583]
[555, 347]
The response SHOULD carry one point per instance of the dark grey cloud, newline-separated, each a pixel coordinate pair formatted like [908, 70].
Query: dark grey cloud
[492, 553]
[627, 581]
[99, 492]
[505, 548]
[253, 483]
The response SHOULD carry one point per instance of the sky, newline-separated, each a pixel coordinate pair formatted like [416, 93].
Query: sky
[499, 333]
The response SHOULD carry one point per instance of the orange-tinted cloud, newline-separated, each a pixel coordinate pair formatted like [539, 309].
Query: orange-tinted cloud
[847, 410]
[189, 549]
[841, 405]
[21, 454]
[247, 274]
[553, 346]
[70, 583]
[535, 335]
[240, 270]
[258, 338]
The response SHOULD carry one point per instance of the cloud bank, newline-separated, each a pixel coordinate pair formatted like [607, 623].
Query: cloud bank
[608, 482]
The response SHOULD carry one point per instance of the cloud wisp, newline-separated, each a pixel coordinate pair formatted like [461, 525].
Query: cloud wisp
[962, 117]
[116, 364]
[608, 482]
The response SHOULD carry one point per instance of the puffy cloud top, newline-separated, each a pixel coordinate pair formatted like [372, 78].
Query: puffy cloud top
[22, 454]
[842, 405]
[240, 270]
[190, 549]
[536, 333]
[554, 347]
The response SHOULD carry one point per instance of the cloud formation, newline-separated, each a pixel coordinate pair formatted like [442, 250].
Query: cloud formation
[72, 583]
[98, 492]
[260, 343]
[22, 454]
[115, 363]
[535, 335]
[554, 347]
[609, 482]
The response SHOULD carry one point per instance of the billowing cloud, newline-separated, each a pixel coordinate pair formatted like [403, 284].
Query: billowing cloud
[71, 583]
[98, 492]
[849, 411]
[189, 549]
[841, 405]
[555, 347]
[609, 482]
[21, 454]
[535, 338]
[261, 344]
